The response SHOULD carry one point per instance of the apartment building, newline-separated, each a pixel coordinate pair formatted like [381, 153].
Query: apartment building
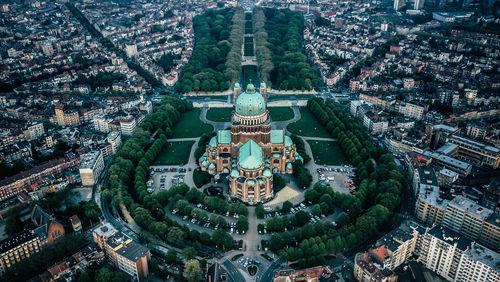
[101, 123]
[13, 185]
[34, 131]
[451, 163]
[91, 168]
[66, 118]
[441, 250]
[368, 269]
[375, 123]
[122, 251]
[476, 131]
[127, 125]
[412, 110]
[478, 264]
[128, 256]
[476, 152]
[473, 221]
[456, 258]
[430, 207]
[17, 248]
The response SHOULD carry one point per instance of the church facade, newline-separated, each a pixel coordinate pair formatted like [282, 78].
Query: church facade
[250, 152]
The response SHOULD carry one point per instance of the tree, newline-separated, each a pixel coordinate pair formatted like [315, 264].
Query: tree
[85, 277]
[153, 265]
[302, 217]
[192, 271]
[242, 224]
[259, 211]
[104, 275]
[175, 235]
[13, 224]
[222, 239]
[316, 210]
[189, 253]
[275, 242]
[287, 206]
[171, 256]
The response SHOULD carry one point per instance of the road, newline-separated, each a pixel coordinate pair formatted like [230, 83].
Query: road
[269, 274]
[233, 272]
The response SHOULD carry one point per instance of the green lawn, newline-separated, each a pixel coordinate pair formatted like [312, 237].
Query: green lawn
[308, 126]
[174, 153]
[219, 114]
[190, 125]
[281, 113]
[327, 152]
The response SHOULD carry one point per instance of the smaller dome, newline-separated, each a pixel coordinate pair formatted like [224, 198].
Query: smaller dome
[211, 166]
[288, 141]
[251, 182]
[213, 142]
[289, 165]
[267, 173]
[261, 180]
[236, 85]
[204, 163]
[250, 88]
[235, 173]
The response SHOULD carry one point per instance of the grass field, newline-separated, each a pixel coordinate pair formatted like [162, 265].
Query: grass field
[174, 153]
[308, 126]
[327, 152]
[281, 113]
[190, 125]
[219, 114]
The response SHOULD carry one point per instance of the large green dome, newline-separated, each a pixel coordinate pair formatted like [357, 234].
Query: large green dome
[250, 103]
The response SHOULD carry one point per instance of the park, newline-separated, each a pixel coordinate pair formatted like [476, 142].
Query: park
[334, 193]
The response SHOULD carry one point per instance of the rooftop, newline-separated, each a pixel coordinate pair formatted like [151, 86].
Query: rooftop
[90, 159]
[12, 242]
[133, 251]
[107, 230]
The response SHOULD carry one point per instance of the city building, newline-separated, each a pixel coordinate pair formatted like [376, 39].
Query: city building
[318, 273]
[66, 118]
[34, 131]
[129, 256]
[101, 123]
[76, 224]
[131, 50]
[476, 152]
[18, 247]
[369, 268]
[114, 139]
[91, 168]
[127, 125]
[250, 152]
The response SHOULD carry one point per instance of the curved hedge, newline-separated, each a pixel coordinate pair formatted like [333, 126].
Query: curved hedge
[379, 186]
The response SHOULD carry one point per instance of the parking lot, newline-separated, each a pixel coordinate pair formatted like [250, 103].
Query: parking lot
[164, 178]
[338, 177]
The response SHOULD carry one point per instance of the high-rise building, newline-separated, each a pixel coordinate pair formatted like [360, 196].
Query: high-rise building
[122, 252]
[131, 50]
[91, 168]
[398, 4]
[127, 125]
[15, 249]
[418, 4]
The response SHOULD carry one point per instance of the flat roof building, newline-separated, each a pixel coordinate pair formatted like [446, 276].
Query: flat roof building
[91, 168]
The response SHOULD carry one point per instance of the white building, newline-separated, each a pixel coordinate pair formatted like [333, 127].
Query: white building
[127, 125]
[101, 123]
[131, 50]
[478, 264]
[91, 168]
[34, 131]
[114, 139]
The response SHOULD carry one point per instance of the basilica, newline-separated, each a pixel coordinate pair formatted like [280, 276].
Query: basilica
[250, 152]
